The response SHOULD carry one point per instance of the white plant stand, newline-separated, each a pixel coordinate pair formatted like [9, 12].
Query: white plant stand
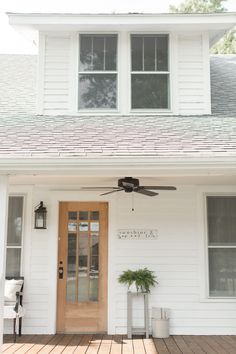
[130, 329]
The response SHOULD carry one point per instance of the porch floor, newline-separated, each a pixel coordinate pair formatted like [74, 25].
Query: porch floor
[104, 344]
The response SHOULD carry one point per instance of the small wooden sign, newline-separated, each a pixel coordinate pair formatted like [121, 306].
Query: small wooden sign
[137, 234]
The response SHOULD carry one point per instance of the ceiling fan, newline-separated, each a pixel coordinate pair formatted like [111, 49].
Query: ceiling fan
[129, 185]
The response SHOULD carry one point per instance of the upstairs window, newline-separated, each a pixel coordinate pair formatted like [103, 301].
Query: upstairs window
[221, 220]
[149, 71]
[98, 72]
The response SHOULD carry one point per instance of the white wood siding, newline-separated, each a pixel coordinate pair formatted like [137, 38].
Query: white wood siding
[177, 257]
[193, 77]
[58, 74]
[57, 65]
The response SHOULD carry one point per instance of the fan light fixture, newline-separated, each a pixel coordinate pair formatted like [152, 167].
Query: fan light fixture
[129, 185]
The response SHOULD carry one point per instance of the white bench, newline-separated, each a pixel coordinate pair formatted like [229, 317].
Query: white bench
[13, 306]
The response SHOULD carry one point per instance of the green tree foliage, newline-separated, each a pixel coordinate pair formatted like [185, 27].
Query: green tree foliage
[199, 6]
[227, 45]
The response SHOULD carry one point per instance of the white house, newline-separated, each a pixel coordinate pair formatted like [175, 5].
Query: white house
[117, 96]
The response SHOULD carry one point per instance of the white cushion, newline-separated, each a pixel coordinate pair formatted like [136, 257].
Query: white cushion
[8, 312]
[11, 288]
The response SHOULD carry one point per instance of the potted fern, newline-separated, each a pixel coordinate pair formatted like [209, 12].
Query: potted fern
[143, 279]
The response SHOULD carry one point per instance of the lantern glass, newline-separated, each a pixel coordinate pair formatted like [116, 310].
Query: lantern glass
[40, 216]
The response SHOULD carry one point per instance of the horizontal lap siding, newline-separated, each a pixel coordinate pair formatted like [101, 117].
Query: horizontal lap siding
[191, 75]
[56, 74]
[174, 256]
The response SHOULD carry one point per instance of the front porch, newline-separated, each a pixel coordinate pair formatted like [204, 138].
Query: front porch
[104, 344]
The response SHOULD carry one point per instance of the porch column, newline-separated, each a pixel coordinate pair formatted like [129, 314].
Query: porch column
[3, 238]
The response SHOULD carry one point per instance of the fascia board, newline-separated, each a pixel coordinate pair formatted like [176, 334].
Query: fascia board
[14, 165]
[120, 19]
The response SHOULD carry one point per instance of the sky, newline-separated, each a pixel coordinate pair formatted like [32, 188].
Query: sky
[11, 42]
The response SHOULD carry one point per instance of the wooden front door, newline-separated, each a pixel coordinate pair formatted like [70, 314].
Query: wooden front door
[82, 267]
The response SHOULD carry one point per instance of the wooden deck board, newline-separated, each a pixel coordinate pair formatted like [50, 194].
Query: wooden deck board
[184, 348]
[116, 345]
[104, 344]
[127, 346]
[139, 346]
[161, 346]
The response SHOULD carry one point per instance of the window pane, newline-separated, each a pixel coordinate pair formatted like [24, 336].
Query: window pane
[222, 270]
[15, 214]
[162, 53]
[98, 53]
[150, 91]
[97, 91]
[221, 213]
[110, 52]
[137, 53]
[13, 262]
[149, 53]
[85, 53]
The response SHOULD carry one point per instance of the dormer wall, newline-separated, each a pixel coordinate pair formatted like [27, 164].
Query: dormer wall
[189, 75]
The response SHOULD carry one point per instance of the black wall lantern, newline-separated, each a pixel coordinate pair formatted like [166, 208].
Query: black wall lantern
[40, 216]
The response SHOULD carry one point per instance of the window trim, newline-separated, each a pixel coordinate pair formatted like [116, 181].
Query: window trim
[22, 233]
[204, 268]
[170, 67]
[117, 72]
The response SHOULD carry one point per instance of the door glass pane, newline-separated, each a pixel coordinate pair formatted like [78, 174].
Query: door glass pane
[15, 215]
[221, 216]
[94, 244]
[72, 227]
[83, 267]
[13, 262]
[94, 267]
[72, 215]
[93, 289]
[71, 268]
[97, 91]
[222, 272]
[94, 215]
[83, 226]
[150, 91]
[94, 226]
[137, 53]
[83, 215]
[149, 53]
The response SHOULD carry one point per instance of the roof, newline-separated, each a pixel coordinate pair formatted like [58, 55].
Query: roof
[223, 84]
[24, 134]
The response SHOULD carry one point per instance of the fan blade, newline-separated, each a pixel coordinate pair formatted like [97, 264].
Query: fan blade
[117, 190]
[145, 192]
[99, 188]
[161, 188]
